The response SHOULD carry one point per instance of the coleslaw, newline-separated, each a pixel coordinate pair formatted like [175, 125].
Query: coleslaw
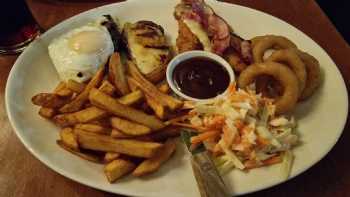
[242, 131]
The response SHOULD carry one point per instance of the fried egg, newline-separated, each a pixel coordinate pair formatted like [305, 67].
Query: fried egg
[78, 53]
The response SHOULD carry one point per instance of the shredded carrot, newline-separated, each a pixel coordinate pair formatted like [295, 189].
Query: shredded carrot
[247, 148]
[246, 129]
[215, 122]
[262, 142]
[193, 146]
[232, 88]
[217, 151]
[204, 136]
[239, 124]
[237, 139]
[228, 135]
[272, 160]
[239, 97]
[250, 164]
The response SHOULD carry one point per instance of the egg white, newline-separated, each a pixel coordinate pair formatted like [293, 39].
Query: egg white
[81, 65]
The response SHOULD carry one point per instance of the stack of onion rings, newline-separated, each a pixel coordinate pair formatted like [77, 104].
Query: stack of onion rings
[288, 75]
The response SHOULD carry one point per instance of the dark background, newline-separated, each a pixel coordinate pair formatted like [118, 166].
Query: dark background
[339, 13]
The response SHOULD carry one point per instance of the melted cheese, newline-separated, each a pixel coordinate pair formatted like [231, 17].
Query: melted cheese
[198, 30]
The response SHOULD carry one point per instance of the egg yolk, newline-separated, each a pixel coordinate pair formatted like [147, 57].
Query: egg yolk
[87, 42]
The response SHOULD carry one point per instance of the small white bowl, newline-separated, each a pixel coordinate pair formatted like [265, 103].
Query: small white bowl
[192, 54]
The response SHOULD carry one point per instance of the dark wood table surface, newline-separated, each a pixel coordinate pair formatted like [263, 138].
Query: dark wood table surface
[23, 175]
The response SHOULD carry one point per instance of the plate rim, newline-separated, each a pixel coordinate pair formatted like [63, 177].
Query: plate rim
[62, 172]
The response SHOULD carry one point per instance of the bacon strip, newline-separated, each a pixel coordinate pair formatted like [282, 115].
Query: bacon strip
[220, 32]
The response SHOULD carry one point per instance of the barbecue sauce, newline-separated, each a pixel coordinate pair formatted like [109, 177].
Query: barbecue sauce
[201, 78]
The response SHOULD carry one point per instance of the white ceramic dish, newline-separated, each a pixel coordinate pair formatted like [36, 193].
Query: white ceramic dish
[321, 119]
[189, 55]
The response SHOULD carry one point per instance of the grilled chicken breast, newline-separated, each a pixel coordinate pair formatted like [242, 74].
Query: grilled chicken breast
[148, 48]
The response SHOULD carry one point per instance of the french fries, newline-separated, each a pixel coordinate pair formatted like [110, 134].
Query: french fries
[107, 103]
[164, 87]
[104, 122]
[148, 88]
[115, 131]
[118, 168]
[47, 112]
[130, 147]
[75, 86]
[153, 164]
[168, 132]
[107, 88]
[120, 135]
[131, 98]
[92, 113]
[49, 100]
[132, 84]
[129, 128]
[136, 95]
[60, 86]
[69, 138]
[117, 75]
[86, 115]
[86, 156]
[158, 109]
[93, 128]
[110, 156]
[62, 90]
[78, 102]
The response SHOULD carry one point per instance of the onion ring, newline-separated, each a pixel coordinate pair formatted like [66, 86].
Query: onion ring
[255, 40]
[282, 74]
[292, 60]
[263, 43]
[313, 71]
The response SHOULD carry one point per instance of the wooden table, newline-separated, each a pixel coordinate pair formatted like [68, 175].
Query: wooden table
[23, 175]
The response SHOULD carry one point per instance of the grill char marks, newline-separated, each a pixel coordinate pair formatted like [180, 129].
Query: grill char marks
[148, 48]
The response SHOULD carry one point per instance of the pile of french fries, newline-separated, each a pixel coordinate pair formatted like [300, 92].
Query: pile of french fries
[118, 118]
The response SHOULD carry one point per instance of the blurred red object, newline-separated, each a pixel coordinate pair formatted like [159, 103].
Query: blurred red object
[18, 27]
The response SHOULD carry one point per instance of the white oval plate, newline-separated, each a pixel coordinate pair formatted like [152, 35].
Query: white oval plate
[321, 119]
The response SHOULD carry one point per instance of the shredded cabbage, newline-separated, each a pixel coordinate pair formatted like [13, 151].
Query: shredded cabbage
[226, 167]
[250, 133]
[280, 121]
[220, 160]
[264, 116]
[261, 156]
[265, 133]
[232, 157]
[287, 164]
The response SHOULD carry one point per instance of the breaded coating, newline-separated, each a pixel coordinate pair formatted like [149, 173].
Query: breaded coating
[186, 40]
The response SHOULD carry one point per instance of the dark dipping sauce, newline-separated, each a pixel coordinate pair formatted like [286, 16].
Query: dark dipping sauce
[201, 78]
